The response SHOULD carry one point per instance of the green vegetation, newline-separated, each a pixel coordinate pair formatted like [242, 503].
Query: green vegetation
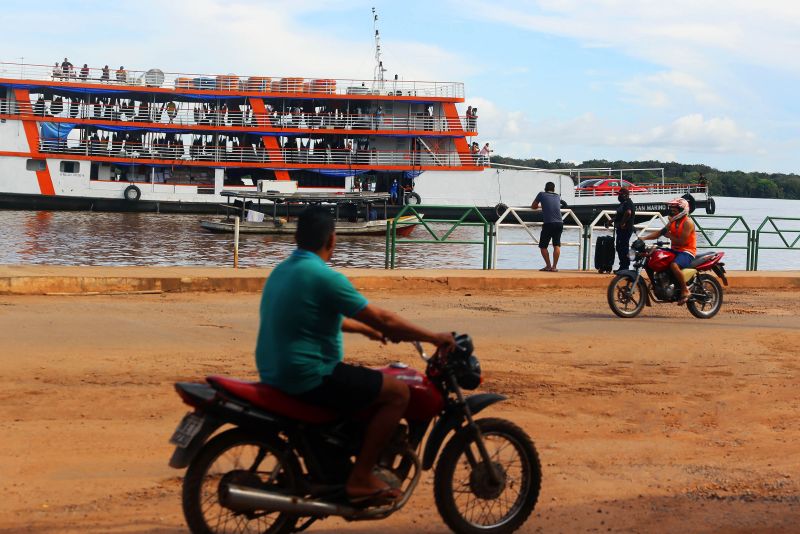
[723, 183]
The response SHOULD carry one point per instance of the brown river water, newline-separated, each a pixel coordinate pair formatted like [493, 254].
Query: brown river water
[87, 238]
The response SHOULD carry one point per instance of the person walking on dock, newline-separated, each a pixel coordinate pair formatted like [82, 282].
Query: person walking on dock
[552, 224]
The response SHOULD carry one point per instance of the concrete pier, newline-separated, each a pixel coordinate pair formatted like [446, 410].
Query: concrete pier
[60, 280]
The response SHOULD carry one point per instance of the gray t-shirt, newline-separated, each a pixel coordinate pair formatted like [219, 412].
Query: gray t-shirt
[551, 206]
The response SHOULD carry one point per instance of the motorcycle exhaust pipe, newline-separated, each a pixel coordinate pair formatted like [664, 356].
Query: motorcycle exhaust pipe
[244, 499]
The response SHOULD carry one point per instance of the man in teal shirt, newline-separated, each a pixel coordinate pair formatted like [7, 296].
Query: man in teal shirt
[305, 307]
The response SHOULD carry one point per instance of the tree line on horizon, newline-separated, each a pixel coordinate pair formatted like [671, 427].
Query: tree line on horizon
[721, 183]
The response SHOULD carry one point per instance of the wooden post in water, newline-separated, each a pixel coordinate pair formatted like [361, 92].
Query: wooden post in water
[236, 243]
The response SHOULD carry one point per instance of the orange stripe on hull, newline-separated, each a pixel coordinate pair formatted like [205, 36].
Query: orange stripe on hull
[32, 135]
[462, 147]
[270, 142]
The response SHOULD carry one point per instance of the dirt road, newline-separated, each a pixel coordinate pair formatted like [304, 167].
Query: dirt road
[662, 423]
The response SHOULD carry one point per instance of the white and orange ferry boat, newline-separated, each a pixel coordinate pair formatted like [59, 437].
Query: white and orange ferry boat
[121, 140]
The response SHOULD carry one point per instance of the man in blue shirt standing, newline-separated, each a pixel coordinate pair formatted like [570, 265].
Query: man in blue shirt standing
[552, 224]
[305, 307]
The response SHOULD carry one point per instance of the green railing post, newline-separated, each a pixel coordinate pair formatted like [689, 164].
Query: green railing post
[420, 220]
[789, 237]
[388, 245]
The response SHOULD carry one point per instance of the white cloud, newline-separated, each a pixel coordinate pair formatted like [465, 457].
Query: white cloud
[661, 89]
[238, 36]
[699, 45]
[513, 133]
[691, 133]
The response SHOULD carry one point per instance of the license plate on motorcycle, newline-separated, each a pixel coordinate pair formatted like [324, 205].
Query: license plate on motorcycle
[187, 430]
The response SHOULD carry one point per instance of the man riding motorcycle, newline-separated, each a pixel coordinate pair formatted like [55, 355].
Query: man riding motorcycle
[305, 307]
[682, 234]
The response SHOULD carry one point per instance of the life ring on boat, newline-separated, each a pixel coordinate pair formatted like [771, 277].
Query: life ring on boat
[413, 198]
[132, 193]
[692, 202]
[711, 206]
[500, 209]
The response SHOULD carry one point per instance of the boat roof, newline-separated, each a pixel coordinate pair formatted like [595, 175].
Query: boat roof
[328, 198]
[93, 79]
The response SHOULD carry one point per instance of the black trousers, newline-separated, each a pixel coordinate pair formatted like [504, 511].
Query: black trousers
[623, 245]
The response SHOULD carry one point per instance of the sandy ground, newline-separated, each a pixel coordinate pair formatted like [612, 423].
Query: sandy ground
[662, 423]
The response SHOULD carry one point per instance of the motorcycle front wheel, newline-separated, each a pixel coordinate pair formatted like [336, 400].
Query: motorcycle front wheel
[467, 498]
[238, 458]
[625, 298]
[706, 298]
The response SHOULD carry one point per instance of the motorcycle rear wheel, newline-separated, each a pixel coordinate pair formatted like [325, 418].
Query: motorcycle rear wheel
[236, 453]
[464, 494]
[625, 299]
[712, 291]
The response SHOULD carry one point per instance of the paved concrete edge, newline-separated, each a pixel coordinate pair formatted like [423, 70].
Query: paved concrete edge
[44, 280]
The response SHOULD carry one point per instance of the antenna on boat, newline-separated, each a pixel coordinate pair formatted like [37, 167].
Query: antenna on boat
[379, 70]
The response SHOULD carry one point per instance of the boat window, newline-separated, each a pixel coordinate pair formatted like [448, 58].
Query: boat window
[70, 166]
[588, 183]
[35, 165]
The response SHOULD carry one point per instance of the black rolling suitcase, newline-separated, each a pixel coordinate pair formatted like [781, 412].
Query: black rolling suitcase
[604, 254]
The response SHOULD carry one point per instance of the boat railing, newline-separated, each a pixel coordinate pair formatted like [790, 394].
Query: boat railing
[129, 150]
[199, 115]
[231, 83]
[645, 189]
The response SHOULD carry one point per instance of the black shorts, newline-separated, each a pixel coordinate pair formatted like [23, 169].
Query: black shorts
[551, 231]
[349, 389]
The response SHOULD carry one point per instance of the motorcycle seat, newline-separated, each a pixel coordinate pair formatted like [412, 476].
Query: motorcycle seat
[273, 400]
[701, 258]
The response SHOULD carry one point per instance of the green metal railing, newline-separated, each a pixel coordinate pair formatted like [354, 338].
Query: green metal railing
[737, 226]
[416, 217]
[721, 232]
[784, 234]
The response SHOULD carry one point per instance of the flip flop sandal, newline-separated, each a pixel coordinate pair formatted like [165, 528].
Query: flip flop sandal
[545, 269]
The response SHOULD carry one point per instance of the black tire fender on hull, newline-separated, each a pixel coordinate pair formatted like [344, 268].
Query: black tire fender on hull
[132, 193]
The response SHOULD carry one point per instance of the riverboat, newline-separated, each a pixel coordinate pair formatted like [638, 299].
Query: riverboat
[271, 212]
[125, 140]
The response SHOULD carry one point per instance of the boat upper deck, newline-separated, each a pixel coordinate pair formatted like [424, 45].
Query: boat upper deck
[227, 85]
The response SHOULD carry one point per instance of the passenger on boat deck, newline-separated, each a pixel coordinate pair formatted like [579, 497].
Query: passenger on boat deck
[122, 74]
[474, 119]
[484, 155]
[473, 150]
[469, 119]
[378, 118]
[66, 68]
[104, 77]
[84, 72]
[57, 71]
[38, 107]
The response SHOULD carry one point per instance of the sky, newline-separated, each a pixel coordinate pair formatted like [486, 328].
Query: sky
[711, 81]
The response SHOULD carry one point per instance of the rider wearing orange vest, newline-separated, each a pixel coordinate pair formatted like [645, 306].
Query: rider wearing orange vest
[683, 237]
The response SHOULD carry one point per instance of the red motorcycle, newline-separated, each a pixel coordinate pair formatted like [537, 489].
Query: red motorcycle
[630, 290]
[282, 464]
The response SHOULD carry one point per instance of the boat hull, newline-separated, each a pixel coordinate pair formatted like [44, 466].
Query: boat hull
[15, 201]
[343, 228]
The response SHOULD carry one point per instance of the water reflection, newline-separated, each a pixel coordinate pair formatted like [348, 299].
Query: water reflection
[86, 238]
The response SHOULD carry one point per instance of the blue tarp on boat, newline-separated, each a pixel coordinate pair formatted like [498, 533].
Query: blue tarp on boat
[56, 130]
